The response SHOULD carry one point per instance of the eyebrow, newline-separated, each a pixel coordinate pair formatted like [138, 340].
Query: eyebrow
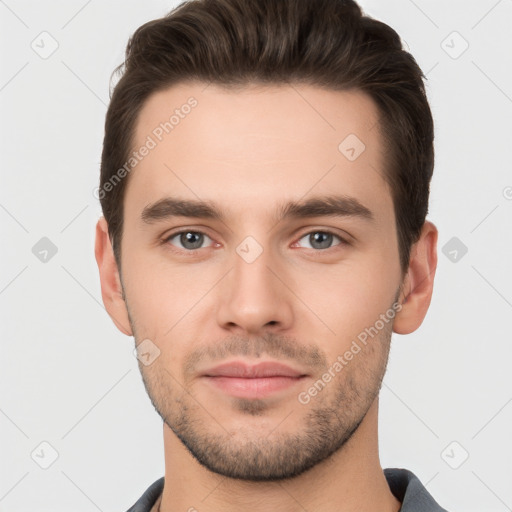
[332, 206]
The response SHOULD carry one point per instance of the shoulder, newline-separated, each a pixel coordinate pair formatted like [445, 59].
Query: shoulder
[407, 488]
[149, 498]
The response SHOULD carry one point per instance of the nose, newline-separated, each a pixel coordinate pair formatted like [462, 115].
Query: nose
[254, 297]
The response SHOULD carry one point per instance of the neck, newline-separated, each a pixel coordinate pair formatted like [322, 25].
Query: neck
[351, 480]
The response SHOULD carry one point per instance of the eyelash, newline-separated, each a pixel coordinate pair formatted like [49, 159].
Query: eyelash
[342, 241]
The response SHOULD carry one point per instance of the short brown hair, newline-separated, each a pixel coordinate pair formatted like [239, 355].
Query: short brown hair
[327, 43]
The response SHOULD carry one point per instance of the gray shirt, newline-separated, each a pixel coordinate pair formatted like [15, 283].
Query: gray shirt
[404, 484]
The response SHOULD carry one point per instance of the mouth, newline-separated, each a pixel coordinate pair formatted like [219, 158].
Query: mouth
[241, 380]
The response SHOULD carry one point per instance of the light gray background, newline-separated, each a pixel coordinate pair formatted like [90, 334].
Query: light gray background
[69, 378]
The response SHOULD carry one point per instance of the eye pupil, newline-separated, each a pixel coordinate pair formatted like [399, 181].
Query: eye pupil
[191, 240]
[320, 240]
[194, 240]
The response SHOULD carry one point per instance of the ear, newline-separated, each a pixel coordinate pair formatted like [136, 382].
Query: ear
[111, 290]
[419, 282]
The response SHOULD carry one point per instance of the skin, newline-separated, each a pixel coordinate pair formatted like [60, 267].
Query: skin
[248, 152]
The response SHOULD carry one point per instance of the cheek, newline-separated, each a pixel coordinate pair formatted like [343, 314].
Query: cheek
[164, 297]
[342, 300]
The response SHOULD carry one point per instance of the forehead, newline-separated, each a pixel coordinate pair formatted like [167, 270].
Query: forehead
[257, 144]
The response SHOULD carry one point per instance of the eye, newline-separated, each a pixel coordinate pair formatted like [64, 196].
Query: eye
[321, 240]
[188, 240]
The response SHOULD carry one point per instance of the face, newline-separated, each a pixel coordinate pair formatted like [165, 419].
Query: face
[260, 270]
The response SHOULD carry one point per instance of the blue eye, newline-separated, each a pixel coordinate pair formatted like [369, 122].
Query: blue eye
[188, 240]
[321, 240]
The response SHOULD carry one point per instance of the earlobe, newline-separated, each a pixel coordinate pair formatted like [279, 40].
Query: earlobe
[111, 289]
[419, 282]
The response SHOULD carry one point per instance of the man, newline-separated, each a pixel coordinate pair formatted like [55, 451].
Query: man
[264, 182]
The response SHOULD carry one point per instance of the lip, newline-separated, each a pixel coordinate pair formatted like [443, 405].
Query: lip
[241, 380]
[243, 370]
